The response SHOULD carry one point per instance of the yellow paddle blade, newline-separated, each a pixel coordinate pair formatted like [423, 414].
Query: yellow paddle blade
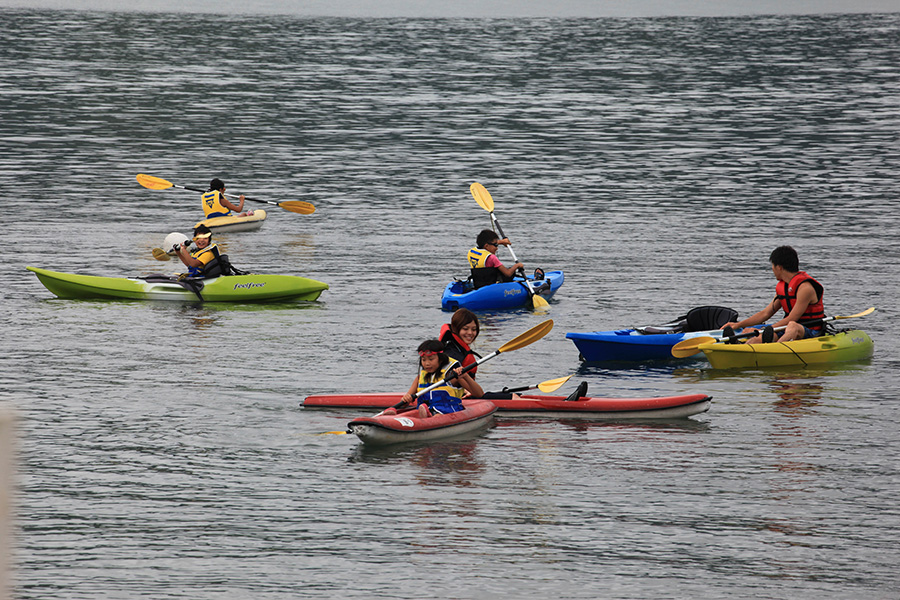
[298, 206]
[333, 433]
[868, 311]
[482, 196]
[539, 303]
[529, 337]
[551, 385]
[689, 347]
[160, 254]
[153, 183]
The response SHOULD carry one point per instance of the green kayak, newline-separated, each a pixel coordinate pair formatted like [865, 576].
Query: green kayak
[231, 288]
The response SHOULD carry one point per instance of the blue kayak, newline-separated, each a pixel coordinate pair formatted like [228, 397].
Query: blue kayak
[498, 296]
[653, 342]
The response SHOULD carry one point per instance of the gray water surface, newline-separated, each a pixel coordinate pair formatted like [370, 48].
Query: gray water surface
[164, 451]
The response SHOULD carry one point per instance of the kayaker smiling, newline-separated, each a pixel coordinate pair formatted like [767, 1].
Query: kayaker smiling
[206, 251]
[458, 336]
[797, 294]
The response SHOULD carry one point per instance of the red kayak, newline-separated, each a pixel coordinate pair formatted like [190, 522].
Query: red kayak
[666, 407]
[407, 426]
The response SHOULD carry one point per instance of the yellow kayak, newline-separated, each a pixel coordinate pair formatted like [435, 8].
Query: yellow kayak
[839, 347]
[234, 223]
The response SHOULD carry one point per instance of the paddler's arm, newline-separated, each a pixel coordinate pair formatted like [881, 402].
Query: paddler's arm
[230, 206]
[757, 319]
[186, 258]
[408, 396]
[510, 271]
[469, 384]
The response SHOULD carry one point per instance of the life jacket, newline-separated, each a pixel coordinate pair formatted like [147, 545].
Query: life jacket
[209, 256]
[212, 205]
[442, 391]
[786, 293]
[457, 349]
[482, 275]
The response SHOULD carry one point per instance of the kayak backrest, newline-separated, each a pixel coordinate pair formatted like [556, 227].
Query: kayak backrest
[487, 276]
[676, 326]
[703, 318]
[219, 266]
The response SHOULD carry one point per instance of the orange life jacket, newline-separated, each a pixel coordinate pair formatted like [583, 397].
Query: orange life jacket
[457, 349]
[786, 293]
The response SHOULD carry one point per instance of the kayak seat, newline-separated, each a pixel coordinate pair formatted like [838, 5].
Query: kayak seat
[703, 318]
[221, 266]
[487, 276]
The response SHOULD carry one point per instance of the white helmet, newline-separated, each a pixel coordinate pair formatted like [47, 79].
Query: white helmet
[172, 239]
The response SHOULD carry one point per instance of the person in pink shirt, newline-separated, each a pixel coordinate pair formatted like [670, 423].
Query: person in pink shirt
[486, 267]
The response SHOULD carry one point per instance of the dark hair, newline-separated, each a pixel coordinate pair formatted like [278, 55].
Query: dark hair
[201, 229]
[463, 317]
[786, 258]
[434, 346]
[486, 237]
[216, 184]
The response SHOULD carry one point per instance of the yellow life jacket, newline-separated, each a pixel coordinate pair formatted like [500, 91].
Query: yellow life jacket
[478, 257]
[482, 275]
[426, 380]
[212, 205]
[204, 255]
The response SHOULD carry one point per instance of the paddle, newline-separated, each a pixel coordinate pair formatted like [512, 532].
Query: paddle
[520, 341]
[294, 206]
[690, 347]
[551, 385]
[160, 254]
[484, 200]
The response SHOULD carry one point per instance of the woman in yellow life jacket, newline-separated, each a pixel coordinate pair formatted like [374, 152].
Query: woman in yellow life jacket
[215, 204]
[206, 251]
[434, 366]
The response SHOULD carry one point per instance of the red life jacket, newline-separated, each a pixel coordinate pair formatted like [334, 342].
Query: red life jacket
[786, 293]
[457, 349]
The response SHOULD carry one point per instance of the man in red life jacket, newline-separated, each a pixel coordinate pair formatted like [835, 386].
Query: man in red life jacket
[797, 294]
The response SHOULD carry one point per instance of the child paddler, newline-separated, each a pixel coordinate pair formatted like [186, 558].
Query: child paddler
[434, 366]
[215, 204]
[206, 251]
